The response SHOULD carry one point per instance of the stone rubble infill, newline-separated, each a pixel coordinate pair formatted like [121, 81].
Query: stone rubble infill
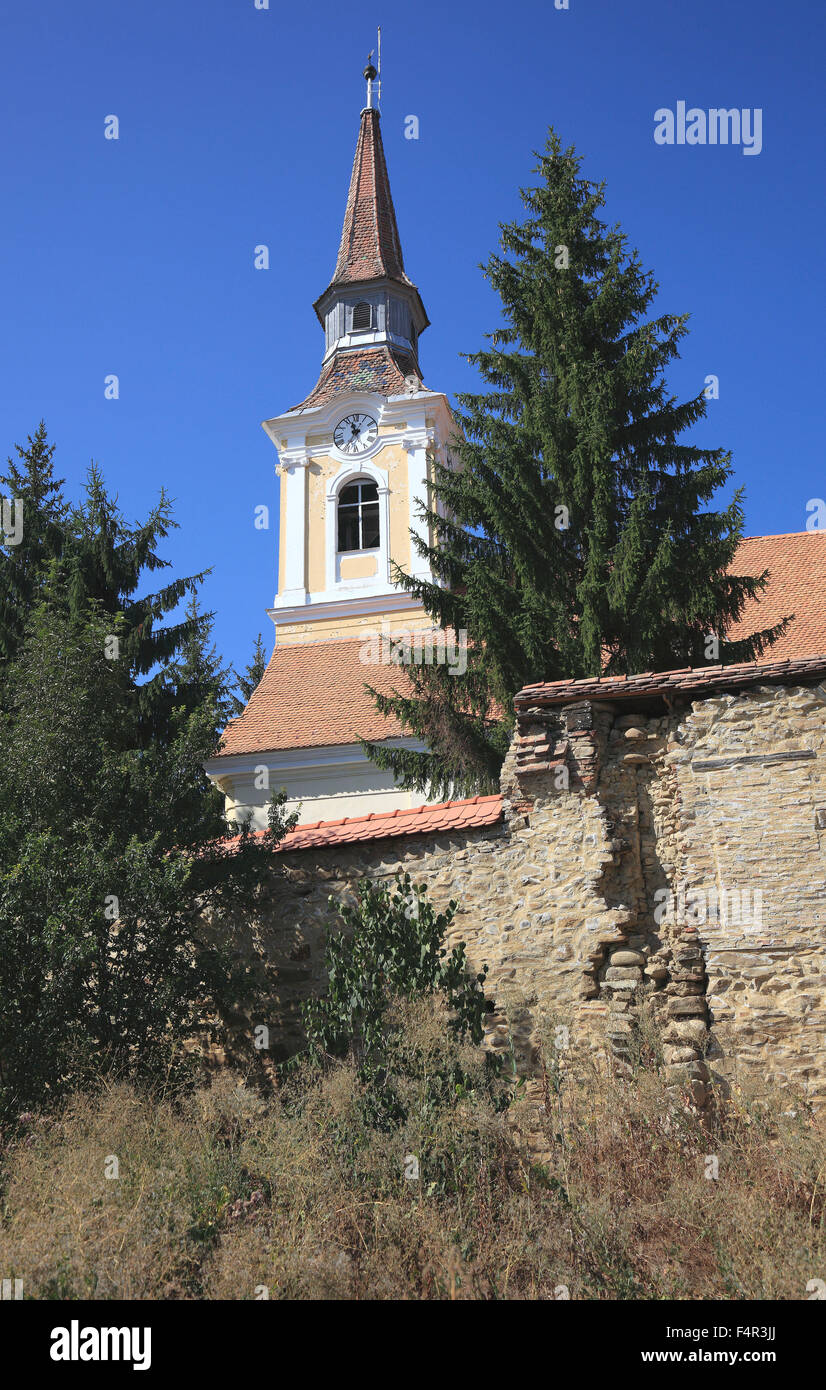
[559, 897]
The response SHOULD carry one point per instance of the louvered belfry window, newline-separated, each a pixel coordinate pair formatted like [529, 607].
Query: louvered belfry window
[358, 516]
[362, 317]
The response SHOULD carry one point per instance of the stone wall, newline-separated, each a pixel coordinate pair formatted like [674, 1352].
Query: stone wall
[672, 860]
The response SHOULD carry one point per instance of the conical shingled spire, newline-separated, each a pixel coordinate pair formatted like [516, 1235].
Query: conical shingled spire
[370, 247]
[380, 352]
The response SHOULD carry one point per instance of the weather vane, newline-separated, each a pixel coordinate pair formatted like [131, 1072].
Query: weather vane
[373, 74]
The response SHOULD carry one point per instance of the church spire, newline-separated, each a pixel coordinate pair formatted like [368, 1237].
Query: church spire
[371, 311]
[370, 249]
[370, 246]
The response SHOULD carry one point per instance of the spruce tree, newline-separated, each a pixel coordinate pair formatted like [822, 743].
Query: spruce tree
[30, 481]
[251, 677]
[199, 674]
[574, 536]
[89, 553]
[119, 902]
[103, 562]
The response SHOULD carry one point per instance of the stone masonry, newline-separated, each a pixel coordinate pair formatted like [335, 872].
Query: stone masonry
[655, 853]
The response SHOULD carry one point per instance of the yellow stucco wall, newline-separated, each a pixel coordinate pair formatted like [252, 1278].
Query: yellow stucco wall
[333, 629]
[358, 566]
[319, 474]
[393, 460]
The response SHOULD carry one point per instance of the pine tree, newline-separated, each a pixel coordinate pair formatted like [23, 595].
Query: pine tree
[199, 674]
[251, 677]
[574, 537]
[112, 858]
[29, 480]
[103, 561]
[88, 553]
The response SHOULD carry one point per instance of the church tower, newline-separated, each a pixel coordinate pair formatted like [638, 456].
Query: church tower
[353, 462]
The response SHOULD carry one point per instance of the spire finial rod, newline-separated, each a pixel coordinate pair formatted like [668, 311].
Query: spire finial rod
[371, 73]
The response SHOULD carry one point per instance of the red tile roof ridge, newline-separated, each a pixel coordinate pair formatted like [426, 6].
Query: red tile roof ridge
[378, 825]
[425, 808]
[686, 676]
[475, 812]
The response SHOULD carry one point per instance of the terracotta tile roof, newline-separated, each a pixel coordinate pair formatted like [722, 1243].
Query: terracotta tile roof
[370, 246]
[797, 584]
[690, 681]
[368, 369]
[386, 825]
[314, 695]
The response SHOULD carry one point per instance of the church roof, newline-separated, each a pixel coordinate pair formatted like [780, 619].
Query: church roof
[370, 247]
[797, 584]
[370, 258]
[313, 695]
[376, 369]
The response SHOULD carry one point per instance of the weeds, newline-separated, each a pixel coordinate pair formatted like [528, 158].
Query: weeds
[225, 1193]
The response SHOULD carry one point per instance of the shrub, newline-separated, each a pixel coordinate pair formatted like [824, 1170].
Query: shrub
[107, 872]
[393, 949]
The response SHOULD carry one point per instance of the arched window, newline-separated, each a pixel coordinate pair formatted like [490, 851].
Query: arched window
[358, 516]
[362, 318]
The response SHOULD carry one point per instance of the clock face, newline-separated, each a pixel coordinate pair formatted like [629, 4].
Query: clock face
[355, 433]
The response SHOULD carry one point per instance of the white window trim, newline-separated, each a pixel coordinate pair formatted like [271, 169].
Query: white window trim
[348, 473]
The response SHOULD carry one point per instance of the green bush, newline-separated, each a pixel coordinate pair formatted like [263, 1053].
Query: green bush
[111, 854]
[393, 949]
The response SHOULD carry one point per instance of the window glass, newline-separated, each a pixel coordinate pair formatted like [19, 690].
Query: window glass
[370, 526]
[358, 516]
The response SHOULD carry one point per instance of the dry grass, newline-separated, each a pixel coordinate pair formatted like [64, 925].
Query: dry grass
[224, 1191]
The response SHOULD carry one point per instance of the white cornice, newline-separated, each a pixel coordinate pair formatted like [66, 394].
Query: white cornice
[289, 460]
[289, 431]
[417, 439]
[340, 756]
[324, 606]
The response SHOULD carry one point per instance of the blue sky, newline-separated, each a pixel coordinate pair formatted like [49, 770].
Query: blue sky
[237, 128]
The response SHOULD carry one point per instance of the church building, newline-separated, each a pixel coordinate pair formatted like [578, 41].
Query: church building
[353, 460]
